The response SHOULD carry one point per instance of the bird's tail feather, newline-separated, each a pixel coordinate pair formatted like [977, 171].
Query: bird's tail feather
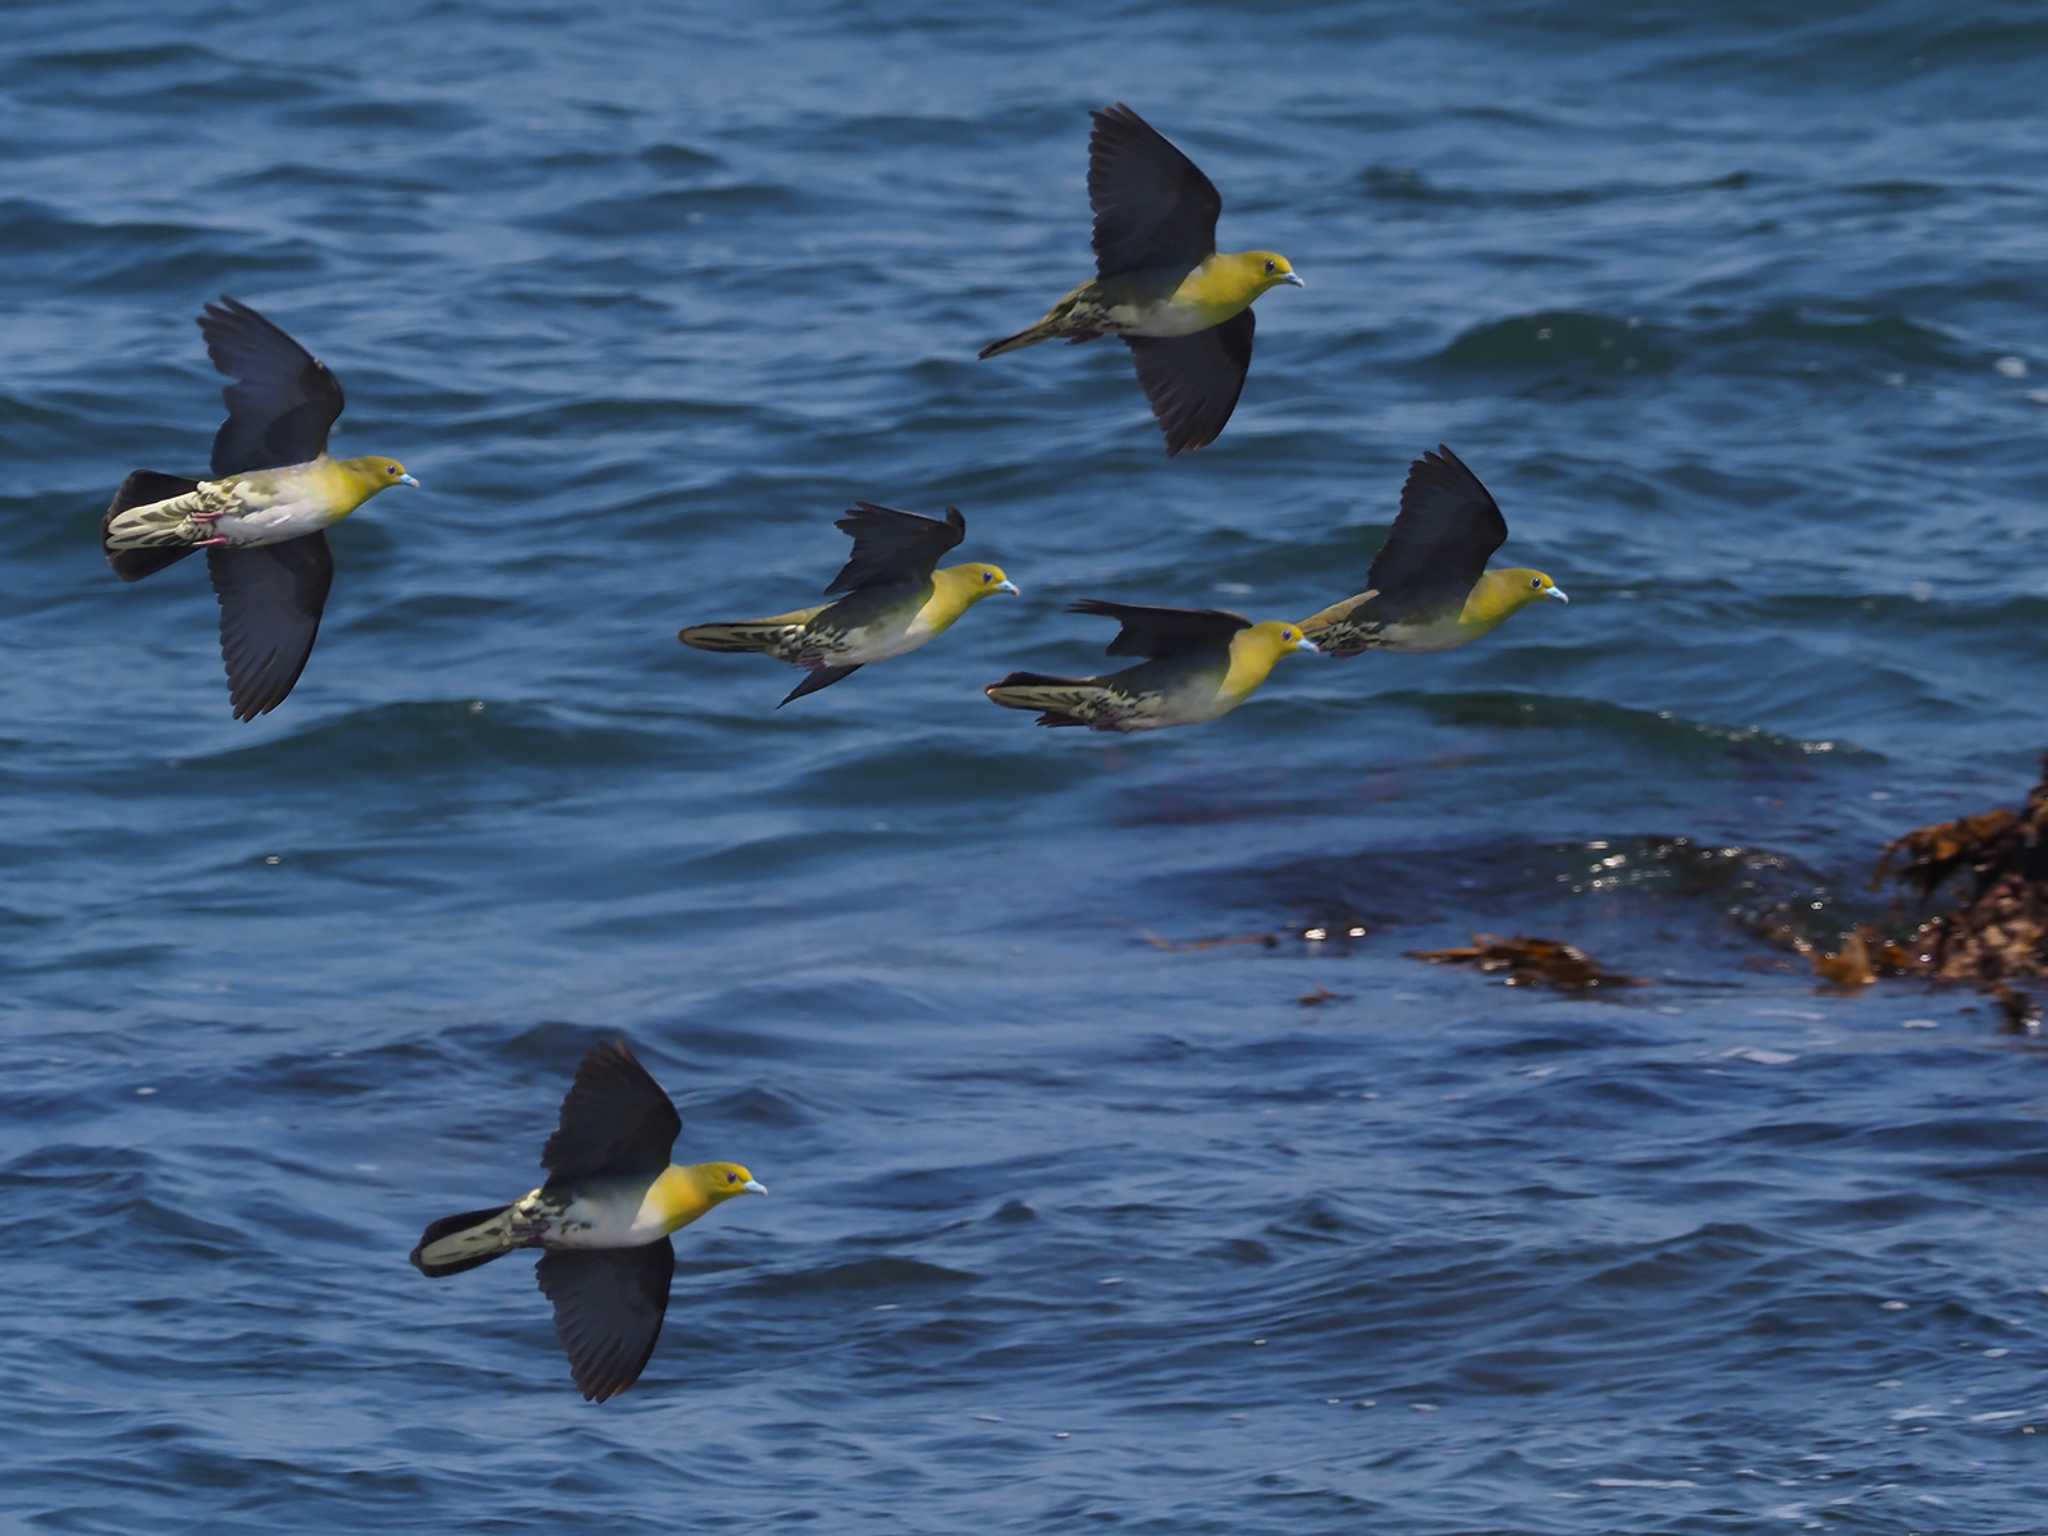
[154, 530]
[1043, 331]
[455, 1243]
[1061, 700]
[1336, 632]
[771, 634]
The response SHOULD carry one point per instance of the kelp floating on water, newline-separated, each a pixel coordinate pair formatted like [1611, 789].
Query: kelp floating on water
[1530, 962]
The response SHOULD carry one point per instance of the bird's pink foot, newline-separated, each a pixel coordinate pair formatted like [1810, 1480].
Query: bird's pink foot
[211, 543]
[206, 517]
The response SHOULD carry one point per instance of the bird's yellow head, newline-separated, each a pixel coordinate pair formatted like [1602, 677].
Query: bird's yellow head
[373, 473]
[986, 581]
[959, 587]
[1270, 269]
[1282, 636]
[1228, 281]
[722, 1181]
[1257, 649]
[1527, 586]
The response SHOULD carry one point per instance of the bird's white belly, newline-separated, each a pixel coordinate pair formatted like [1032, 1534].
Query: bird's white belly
[1192, 712]
[601, 1221]
[275, 523]
[1442, 634]
[878, 643]
[1165, 320]
[1195, 703]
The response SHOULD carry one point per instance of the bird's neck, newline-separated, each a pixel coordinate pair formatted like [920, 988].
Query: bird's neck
[678, 1196]
[954, 591]
[1225, 283]
[1496, 596]
[1252, 659]
[345, 484]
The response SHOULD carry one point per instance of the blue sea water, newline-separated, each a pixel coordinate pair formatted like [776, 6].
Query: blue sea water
[1078, 1222]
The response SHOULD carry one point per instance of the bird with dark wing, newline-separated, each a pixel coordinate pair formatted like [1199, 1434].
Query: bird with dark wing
[262, 517]
[602, 1219]
[1429, 588]
[1202, 663]
[1160, 285]
[896, 600]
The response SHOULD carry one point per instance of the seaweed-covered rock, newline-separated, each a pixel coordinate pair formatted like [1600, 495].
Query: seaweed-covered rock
[1998, 930]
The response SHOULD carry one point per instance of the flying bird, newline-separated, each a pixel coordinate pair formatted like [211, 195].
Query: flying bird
[1203, 664]
[262, 517]
[895, 600]
[602, 1219]
[1429, 588]
[1179, 304]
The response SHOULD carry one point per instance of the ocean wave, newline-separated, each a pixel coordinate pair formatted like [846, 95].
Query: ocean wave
[1562, 344]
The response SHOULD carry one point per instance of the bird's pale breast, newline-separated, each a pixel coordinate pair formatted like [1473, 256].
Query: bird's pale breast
[615, 1213]
[274, 505]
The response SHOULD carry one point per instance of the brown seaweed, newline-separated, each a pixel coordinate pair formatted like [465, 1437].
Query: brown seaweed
[1530, 962]
[1990, 927]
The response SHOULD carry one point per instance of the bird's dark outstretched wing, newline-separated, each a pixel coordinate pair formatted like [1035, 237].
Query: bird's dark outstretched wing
[1158, 632]
[609, 1303]
[893, 546]
[1447, 529]
[271, 598]
[1193, 381]
[615, 1119]
[1154, 209]
[283, 401]
[822, 677]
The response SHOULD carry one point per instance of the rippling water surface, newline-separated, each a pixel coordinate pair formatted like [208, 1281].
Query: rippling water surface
[1078, 1223]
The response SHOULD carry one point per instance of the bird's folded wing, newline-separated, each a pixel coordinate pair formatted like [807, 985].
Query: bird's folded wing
[271, 598]
[1160, 632]
[1153, 206]
[283, 401]
[1193, 381]
[1447, 529]
[609, 1303]
[615, 1119]
[889, 545]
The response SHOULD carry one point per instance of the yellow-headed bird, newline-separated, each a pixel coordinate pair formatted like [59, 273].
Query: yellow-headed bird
[895, 600]
[603, 1218]
[261, 517]
[1429, 588]
[1182, 306]
[1204, 663]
